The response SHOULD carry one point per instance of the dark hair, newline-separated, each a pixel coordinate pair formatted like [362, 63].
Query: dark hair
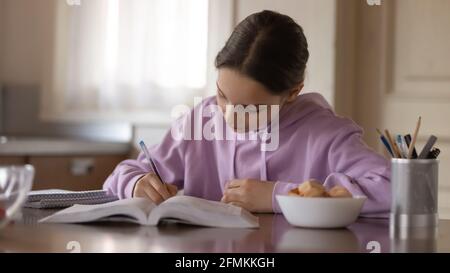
[268, 47]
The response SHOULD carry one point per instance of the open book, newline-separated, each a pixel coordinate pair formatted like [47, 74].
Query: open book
[184, 209]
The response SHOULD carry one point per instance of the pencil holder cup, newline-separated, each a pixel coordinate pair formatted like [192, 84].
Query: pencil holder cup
[414, 193]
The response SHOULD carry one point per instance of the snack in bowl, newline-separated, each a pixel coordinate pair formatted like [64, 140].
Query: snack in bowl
[313, 188]
[339, 191]
[294, 192]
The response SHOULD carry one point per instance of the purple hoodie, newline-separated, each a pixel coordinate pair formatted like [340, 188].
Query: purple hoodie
[314, 143]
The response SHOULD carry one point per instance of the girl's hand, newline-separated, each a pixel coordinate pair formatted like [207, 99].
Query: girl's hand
[149, 186]
[250, 194]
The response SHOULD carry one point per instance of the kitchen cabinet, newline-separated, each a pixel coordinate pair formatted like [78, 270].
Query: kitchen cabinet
[65, 164]
[73, 173]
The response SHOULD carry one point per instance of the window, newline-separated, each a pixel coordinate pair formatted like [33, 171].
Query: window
[133, 59]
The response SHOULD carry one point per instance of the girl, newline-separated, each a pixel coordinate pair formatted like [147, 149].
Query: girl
[262, 63]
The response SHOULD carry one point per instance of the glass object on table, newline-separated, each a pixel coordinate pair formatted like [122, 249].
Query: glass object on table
[15, 183]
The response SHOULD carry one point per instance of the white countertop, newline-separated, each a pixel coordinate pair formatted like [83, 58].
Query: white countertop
[57, 146]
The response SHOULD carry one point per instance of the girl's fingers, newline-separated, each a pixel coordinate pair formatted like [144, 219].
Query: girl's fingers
[240, 204]
[149, 186]
[137, 190]
[160, 187]
[232, 195]
[153, 194]
[173, 190]
[224, 199]
[234, 184]
[237, 204]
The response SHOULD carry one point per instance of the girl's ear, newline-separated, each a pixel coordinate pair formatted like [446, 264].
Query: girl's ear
[295, 92]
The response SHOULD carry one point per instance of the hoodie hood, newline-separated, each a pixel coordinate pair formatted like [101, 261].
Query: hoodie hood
[301, 107]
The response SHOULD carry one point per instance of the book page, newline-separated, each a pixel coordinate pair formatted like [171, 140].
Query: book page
[135, 208]
[197, 211]
[205, 205]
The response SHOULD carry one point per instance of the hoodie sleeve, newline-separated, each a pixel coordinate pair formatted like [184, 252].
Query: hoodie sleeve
[168, 157]
[350, 163]
[359, 169]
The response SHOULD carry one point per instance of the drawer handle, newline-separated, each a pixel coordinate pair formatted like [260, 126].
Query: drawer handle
[81, 166]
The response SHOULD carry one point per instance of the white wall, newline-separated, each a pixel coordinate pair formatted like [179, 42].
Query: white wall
[2, 15]
[25, 39]
[2, 39]
[27, 26]
[26, 33]
[1, 42]
[317, 17]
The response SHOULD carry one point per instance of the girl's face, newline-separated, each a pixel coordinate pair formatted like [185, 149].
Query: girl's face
[234, 88]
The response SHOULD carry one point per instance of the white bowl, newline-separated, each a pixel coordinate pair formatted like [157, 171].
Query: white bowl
[315, 212]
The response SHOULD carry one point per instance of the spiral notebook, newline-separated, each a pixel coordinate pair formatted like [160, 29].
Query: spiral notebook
[47, 199]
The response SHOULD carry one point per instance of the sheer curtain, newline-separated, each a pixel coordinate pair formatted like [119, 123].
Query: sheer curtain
[129, 56]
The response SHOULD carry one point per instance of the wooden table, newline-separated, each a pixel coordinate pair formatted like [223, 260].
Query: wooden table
[274, 235]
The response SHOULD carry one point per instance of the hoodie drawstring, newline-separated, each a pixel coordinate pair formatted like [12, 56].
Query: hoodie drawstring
[263, 163]
[263, 167]
[233, 159]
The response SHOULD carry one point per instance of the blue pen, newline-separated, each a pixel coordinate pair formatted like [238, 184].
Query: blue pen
[149, 158]
[385, 142]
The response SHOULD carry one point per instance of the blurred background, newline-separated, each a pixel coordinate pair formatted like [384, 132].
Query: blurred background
[82, 80]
